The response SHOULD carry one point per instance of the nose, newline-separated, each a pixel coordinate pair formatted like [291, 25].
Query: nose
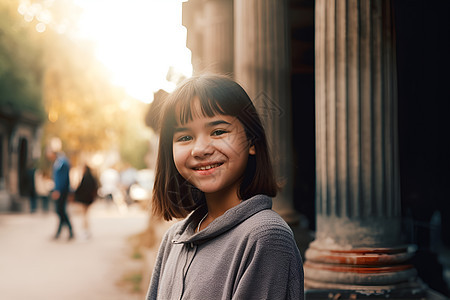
[203, 147]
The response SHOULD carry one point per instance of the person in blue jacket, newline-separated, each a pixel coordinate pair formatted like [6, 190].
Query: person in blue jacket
[61, 190]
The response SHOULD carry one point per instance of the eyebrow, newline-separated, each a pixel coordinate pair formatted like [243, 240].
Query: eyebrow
[218, 122]
[210, 124]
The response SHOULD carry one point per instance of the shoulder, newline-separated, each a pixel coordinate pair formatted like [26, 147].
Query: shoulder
[267, 226]
[65, 161]
[271, 246]
[267, 219]
[173, 231]
[256, 214]
[60, 162]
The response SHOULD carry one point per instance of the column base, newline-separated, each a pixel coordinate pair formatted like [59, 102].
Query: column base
[409, 290]
[366, 271]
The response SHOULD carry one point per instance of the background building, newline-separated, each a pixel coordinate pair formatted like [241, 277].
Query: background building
[19, 148]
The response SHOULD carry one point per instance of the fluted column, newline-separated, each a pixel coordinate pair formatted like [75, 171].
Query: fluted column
[358, 238]
[210, 34]
[261, 65]
[193, 20]
[218, 41]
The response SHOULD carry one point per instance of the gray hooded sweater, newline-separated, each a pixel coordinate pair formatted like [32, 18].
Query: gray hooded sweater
[247, 253]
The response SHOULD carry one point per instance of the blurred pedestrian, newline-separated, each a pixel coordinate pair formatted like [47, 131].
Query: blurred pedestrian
[31, 186]
[127, 179]
[110, 189]
[61, 190]
[86, 194]
[44, 186]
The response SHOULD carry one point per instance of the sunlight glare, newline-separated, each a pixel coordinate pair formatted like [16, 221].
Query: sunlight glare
[138, 41]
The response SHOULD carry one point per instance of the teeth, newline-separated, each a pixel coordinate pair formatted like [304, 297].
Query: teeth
[208, 167]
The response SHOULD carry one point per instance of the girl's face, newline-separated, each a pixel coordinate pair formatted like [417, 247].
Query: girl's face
[211, 152]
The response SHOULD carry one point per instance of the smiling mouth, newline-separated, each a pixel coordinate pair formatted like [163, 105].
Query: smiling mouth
[208, 167]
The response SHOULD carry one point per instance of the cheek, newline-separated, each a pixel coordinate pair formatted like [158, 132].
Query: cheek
[179, 157]
[237, 146]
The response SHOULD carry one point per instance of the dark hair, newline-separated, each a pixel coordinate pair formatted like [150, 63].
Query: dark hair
[175, 197]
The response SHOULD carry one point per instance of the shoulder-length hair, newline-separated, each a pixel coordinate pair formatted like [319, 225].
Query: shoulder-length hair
[175, 197]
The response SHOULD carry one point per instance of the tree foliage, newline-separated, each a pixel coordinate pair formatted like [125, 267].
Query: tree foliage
[60, 70]
[20, 63]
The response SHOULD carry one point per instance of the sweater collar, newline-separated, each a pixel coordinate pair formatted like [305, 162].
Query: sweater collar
[231, 218]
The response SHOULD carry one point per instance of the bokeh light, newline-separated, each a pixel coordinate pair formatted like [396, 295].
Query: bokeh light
[138, 41]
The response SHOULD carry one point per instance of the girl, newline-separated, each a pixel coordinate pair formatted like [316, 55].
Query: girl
[214, 168]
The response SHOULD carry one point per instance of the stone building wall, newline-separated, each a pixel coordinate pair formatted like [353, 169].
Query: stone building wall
[19, 146]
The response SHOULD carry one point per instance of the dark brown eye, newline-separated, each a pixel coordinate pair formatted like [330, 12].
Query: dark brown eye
[184, 138]
[218, 132]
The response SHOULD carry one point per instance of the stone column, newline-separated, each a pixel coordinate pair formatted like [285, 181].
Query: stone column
[218, 43]
[193, 20]
[261, 65]
[210, 34]
[358, 239]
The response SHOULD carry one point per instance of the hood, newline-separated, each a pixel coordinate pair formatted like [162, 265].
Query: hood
[231, 218]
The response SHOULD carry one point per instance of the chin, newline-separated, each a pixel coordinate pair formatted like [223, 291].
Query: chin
[208, 190]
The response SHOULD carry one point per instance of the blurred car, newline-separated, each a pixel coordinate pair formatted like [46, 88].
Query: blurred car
[142, 189]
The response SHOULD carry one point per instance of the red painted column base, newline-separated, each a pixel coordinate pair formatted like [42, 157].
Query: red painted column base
[364, 269]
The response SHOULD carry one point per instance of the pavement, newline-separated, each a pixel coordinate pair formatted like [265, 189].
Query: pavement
[34, 266]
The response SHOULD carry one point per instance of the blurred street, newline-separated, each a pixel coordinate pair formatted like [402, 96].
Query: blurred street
[34, 266]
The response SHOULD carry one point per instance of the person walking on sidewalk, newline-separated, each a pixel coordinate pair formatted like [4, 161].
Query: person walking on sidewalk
[86, 194]
[60, 193]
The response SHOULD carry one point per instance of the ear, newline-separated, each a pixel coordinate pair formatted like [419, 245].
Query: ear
[252, 150]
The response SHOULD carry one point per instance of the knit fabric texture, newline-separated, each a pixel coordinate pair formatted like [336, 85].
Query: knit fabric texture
[247, 253]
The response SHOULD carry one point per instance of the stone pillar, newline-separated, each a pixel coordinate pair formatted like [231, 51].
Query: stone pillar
[261, 65]
[210, 34]
[218, 43]
[358, 239]
[192, 19]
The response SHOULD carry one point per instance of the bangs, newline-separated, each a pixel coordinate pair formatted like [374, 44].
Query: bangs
[216, 96]
[186, 109]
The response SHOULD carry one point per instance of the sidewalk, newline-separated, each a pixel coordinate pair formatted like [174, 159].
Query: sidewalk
[33, 266]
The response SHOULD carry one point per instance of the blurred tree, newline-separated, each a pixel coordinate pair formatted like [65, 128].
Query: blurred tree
[43, 60]
[20, 63]
[136, 134]
[85, 110]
